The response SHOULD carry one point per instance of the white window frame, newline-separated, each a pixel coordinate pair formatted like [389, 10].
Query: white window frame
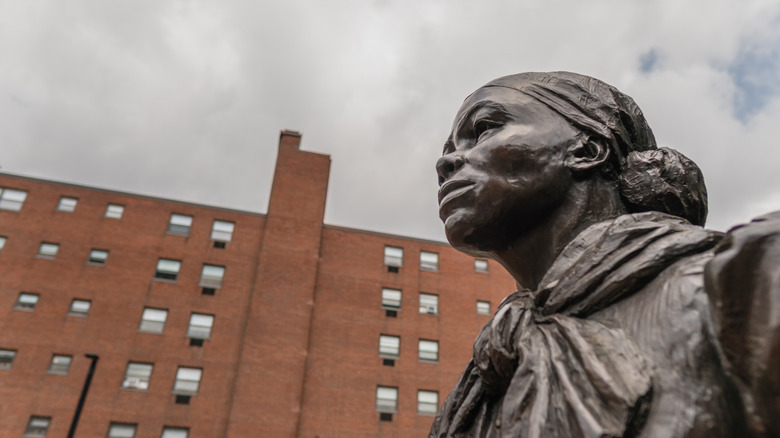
[200, 326]
[429, 261]
[428, 350]
[79, 307]
[483, 308]
[37, 427]
[175, 432]
[114, 211]
[481, 265]
[394, 256]
[122, 430]
[48, 250]
[60, 364]
[212, 276]
[387, 399]
[97, 257]
[27, 301]
[429, 304]
[7, 358]
[12, 199]
[67, 204]
[427, 402]
[222, 231]
[137, 376]
[170, 272]
[3, 239]
[388, 299]
[389, 346]
[187, 380]
[180, 224]
[153, 320]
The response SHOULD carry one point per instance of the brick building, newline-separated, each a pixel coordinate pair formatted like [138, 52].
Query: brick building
[209, 322]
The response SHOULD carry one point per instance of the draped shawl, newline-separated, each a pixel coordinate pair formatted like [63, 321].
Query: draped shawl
[542, 369]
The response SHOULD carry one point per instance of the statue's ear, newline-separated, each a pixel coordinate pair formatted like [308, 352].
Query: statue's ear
[586, 154]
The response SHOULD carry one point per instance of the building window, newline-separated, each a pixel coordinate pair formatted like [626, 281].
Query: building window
[481, 265]
[137, 376]
[391, 299]
[2, 242]
[37, 427]
[26, 301]
[429, 304]
[117, 430]
[200, 326]
[97, 257]
[386, 399]
[180, 224]
[153, 320]
[79, 307]
[389, 345]
[7, 359]
[222, 231]
[60, 364]
[175, 432]
[187, 380]
[114, 211]
[483, 308]
[211, 276]
[11, 199]
[428, 350]
[167, 269]
[67, 204]
[427, 402]
[48, 250]
[394, 258]
[429, 261]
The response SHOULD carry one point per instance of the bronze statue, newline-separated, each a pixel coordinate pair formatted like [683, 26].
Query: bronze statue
[630, 319]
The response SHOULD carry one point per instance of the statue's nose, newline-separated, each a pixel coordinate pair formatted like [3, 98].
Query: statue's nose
[447, 165]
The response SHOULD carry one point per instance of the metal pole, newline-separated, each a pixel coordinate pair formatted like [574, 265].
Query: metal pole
[83, 397]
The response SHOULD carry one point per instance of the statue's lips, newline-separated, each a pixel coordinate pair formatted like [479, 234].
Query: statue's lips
[452, 189]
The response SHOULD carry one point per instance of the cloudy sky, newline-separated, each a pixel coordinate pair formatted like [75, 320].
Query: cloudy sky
[185, 99]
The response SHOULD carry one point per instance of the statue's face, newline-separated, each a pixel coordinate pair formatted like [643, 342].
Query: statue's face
[503, 169]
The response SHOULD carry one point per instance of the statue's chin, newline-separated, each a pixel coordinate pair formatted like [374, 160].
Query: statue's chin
[459, 231]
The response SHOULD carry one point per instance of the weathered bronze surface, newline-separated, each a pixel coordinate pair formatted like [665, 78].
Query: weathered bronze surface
[630, 319]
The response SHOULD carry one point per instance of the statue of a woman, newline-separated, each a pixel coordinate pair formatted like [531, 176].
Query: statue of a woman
[631, 319]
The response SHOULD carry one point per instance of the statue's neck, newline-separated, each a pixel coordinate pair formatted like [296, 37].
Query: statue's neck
[531, 254]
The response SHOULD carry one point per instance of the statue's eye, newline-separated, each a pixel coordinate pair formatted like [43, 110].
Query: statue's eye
[482, 126]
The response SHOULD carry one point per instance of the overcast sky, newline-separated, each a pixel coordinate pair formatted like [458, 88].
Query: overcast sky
[185, 99]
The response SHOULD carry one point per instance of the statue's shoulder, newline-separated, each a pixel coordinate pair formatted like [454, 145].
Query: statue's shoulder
[743, 283]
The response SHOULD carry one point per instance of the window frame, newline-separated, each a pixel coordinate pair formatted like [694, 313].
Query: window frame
[48, 254]
[144, 325]
[67, 204]
[386, 352]
[426, 309]
[25, 305]
[212, 281]
[3, 241]
[137, 381]
[429, 265]
[60, 368]
[167, 275]
[386, 302]
[7, 203]
[7, 364]
[478, 266]
[95, 259]
[28, 433]
[395, 261]
[222, 235]
[486, 312]
[427, 355]
[173, 429]
[192, 333]
[116, 212]
[184, 225]
[180, 381]
[73, 311]
[421, 403]
[134, 426]
[387, 408]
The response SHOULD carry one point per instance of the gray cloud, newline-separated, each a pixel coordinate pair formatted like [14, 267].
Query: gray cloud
[185, 99]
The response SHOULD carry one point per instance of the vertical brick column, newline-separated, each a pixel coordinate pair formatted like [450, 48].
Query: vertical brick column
[268, 388]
